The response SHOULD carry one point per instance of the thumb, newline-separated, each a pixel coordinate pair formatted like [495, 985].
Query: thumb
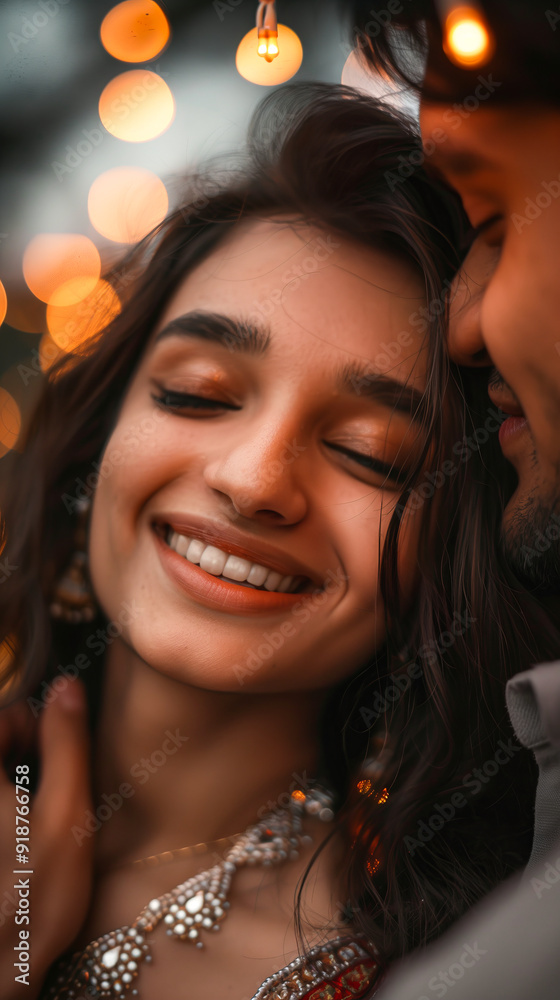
[64, 791]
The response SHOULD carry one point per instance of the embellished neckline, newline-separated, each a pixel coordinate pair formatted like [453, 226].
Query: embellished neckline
[339, 969]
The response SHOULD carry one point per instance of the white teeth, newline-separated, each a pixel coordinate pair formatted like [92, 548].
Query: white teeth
[272, 580]
[237, 568]
[195, 550]
[218, 563]
[181, 545]
[258, 575]
[213, 560]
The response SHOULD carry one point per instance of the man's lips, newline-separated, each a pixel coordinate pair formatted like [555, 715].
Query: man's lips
[516, 421]
[510, 428]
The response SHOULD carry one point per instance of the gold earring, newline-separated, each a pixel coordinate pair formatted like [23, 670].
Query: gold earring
[73, 599]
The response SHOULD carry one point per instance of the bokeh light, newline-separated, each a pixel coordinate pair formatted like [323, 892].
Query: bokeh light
[61, 267]
[71, 326]
[467, 40]
[3, 303]
[135, 31]
[10, 421]
[125, 203]
[25, 311]
[136, 106]
[254, 68]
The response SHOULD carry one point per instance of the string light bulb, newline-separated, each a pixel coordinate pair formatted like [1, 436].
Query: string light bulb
[467, 38]
[267, 30]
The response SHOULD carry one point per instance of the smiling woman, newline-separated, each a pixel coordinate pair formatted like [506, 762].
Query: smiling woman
[266, 601]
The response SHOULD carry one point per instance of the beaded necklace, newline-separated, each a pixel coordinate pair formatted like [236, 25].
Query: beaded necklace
[108, 967]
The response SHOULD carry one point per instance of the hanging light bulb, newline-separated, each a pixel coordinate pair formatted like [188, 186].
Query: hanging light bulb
[270, 53]
[267, 30]
[467, 39]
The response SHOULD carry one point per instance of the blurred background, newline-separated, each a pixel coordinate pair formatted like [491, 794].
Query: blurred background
[103, 108]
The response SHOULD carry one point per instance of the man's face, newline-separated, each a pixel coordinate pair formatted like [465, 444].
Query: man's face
[505, 310]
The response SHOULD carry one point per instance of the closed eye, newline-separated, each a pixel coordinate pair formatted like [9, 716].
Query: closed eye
[170, 399]
[475, 231]
[386, 469]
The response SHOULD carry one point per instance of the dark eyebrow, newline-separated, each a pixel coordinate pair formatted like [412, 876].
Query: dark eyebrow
[236, 335]
[459, 162]
[241, 336]
[360, 380]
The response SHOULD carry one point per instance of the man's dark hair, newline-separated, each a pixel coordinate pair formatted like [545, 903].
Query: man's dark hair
[400, 37]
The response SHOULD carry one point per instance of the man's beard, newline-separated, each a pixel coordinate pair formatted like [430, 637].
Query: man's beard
[530, 541]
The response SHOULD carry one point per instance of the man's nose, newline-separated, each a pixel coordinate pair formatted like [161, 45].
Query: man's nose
[466, 337]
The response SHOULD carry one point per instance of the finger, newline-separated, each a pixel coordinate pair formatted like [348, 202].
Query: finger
[64, 791]
[18, 733]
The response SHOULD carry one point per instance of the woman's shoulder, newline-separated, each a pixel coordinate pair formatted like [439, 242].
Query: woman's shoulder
[339, 969]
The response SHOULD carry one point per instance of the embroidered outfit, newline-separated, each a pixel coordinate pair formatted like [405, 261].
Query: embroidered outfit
[340, 969]
[109, 967]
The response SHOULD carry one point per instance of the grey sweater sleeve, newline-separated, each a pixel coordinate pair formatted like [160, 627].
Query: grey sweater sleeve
[506, 948]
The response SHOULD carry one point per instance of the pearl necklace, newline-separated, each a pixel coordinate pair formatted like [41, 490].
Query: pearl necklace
[109, 966]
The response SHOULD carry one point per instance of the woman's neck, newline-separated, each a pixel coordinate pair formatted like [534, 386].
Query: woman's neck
[176, 765]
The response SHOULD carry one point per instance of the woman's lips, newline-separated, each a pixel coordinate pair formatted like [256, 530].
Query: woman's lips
[511, 428]
[218, 594]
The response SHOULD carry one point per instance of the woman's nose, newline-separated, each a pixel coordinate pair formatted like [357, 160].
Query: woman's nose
[263, 475]
[465, 337]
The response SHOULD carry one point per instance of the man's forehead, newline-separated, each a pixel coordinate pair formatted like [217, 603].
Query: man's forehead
[460, 146]
[463, 142]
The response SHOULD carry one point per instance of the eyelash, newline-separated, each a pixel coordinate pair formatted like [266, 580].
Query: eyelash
[174, 401]
[475, 231]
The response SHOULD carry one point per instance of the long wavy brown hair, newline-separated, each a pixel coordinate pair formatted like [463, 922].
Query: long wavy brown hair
[429, 706]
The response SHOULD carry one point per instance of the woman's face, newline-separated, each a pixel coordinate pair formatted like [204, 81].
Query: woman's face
[248, 484]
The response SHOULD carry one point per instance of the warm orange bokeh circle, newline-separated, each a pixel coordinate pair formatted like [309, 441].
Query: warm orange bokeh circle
[135, 31]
